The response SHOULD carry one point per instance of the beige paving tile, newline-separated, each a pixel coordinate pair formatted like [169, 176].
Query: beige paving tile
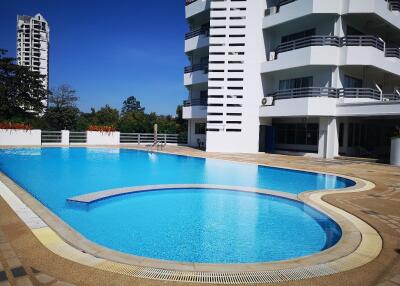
[44, 278]
[24, 281]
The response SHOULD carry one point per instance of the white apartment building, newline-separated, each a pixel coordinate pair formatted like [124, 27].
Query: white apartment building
[33, 44]
[317, 77]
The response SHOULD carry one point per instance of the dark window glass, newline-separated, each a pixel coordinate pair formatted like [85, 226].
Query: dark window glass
[341, 132]
[351, 134]
[200, 128]
[352, 82]
[299, 35]
[296, 83]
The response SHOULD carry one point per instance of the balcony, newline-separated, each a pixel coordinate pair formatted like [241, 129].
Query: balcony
[365, 93]
[320, 101]
[334, 51]
[196, 74]
[195, 108]
[289, 10]
[195, 7]
[196, 39]
[195, 102]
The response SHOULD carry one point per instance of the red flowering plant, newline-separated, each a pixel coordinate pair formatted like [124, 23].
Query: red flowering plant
[100, 128]
[15, 126]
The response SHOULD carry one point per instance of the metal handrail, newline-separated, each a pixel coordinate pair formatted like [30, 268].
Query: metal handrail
[138, 138]
[195, 102]
[196, 67]
[359, 93]
[332, 93]
[393, 5]
[77, 137]
[308, 42]
[51, 137]
[364, 41]
[197, 32]
[304, 92]
[392, 52]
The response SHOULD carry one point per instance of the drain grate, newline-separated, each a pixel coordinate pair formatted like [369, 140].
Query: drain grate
[270, 276]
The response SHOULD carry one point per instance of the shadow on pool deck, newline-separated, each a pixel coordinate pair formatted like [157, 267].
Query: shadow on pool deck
[24, 261]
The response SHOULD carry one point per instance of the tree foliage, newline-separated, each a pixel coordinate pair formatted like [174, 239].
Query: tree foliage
[22, 97]
[131, 104]
[22, 93]
[62, 112]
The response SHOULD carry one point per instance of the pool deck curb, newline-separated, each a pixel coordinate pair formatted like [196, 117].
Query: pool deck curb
[360, 243]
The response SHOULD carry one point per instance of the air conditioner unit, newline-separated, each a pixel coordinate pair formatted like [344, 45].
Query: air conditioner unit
[271, 56]
[267, 101]
[271, 11]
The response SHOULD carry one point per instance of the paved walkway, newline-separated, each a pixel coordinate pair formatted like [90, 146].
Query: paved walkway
[24, 261]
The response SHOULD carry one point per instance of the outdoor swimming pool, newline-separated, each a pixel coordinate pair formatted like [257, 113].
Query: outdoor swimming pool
[191, 225]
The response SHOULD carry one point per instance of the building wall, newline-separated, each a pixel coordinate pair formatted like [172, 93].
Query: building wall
[243, 52]
[33, 44]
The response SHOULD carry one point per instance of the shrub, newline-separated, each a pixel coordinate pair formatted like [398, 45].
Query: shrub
[100, 128]
[16, 126]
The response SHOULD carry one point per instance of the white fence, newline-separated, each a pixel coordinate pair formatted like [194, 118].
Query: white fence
[11, 137]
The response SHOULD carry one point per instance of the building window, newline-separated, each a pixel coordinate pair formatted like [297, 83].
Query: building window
[297, 133]
[200, 128]
[295, 83]
[352, 82]
[299, 35]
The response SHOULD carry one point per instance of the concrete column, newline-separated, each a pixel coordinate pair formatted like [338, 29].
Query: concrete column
[65, 137]
[328, 144]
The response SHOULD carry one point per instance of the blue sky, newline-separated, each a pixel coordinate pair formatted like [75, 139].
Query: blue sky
[109, 50]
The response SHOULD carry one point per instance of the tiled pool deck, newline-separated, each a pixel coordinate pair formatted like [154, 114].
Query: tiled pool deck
[22, 255]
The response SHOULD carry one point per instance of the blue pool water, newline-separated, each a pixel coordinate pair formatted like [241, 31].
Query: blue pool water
[193, 225]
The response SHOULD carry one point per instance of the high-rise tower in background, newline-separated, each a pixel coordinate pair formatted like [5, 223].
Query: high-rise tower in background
[33, 44]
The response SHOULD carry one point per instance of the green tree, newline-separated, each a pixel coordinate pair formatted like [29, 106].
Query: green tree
[62, 112]
[105, 116]
[134, 121]
[22, 92]
[131, 104]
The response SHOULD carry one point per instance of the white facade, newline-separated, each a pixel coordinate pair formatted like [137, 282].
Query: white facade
[315, 70]
[33, 44]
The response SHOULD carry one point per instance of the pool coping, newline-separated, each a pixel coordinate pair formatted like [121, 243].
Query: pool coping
[359, 243]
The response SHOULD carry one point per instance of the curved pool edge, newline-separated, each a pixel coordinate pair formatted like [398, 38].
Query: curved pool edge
[360, 244]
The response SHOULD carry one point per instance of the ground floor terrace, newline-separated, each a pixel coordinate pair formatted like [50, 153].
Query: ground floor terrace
[317, 136]
[26, 261]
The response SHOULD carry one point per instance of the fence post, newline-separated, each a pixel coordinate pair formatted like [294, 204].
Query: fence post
[165, 139]
[139, 138]
[65, 137]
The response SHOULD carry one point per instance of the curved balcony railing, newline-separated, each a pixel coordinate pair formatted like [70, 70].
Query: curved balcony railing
[348, 41]
[359, 93]
[188, 2]
[304, 92]
[362, 41]
[394, 5]
[308, 42]
[195, 102]
[392, 52]
[332, 93]
[196, 67]
[197, 32]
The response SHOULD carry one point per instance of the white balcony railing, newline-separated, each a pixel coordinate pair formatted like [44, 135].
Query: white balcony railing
[331, 92]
